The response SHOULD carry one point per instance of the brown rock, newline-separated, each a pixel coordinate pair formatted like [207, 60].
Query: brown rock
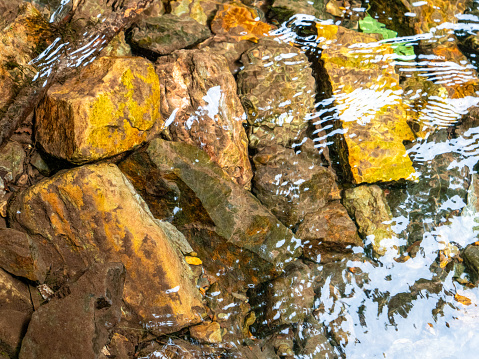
[91, 214]
[277, 90]
[19, 255]
[207, 333]
[111, 107]
[199, 96]
[328, 229]
[369, 207]
[164, 34]
[292, 185]
[225, 224]
[77, 325]
[15, 312]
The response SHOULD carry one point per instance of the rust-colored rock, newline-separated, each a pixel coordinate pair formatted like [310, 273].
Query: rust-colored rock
[92, 214]
[238, 240]
[328, 229]
[19, 255]
[292, 185]
[15, 312]
[199, 97]
[239, 22]
[277, 90]
[111, 107]
[367, 99]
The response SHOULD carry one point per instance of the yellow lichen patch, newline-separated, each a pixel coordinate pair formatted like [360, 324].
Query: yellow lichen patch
[112, 107]
[368, 102]
[240, 23]
[193, 260]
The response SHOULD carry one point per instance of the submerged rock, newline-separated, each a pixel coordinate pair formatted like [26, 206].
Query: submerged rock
[15, 312]
[368, 206]
[199, 97]
[110, 108]
[225, 224]
[92, 214]
[239, 22]
[202, 11]
[277, 90]
[368, 103]
[209, 333]
[77, 324]
[329, 229]
[165, 34]
[292, 185]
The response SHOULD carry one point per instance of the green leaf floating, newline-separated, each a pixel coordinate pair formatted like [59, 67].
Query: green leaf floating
[369, 25]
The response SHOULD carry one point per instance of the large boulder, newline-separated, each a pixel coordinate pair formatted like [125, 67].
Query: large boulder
[225, 224]
[92, 214]
[164, 34]
[15, 311]
[199, 95]
[112, 106]
[77, 325]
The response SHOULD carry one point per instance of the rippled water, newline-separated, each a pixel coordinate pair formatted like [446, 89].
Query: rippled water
[400, 304]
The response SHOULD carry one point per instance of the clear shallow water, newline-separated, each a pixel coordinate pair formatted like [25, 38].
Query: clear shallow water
[428, 322]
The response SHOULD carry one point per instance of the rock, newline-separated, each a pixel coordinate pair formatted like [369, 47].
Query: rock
[326, 230]
[372, 148]
[225, 224]
[26, 31]
[368, 206]
[283, 10]
[471, 258]
[81, 320]
[12, 157]
[89, 13]
[165, 34]
[209, 333]
[117, 47]
[292, 185]
[200, 10]
[120, 347]
[231, 50]
[287, 299]
[239, 22]
[199, 96]
[19, 256]
[313, 341]
[178, 349]
[92, 214]
[277, 90]
[231, 311]
[15, 312]
[110, 108]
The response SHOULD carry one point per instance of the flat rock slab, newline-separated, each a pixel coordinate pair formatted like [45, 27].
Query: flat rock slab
[220, 219]
[164, 34]
[92, 214]
[113, 106]
[199, 95]
[368, 104]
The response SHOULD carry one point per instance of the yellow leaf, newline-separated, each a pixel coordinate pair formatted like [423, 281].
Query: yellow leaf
[463, 300]
[193, 260]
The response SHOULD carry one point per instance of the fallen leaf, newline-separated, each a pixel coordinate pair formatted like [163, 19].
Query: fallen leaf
[463, 300]
[193, 260]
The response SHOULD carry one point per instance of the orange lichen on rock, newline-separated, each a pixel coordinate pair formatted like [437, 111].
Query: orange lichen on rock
[240, 23]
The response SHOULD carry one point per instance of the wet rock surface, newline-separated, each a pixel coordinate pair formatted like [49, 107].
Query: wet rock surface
[199, 97]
